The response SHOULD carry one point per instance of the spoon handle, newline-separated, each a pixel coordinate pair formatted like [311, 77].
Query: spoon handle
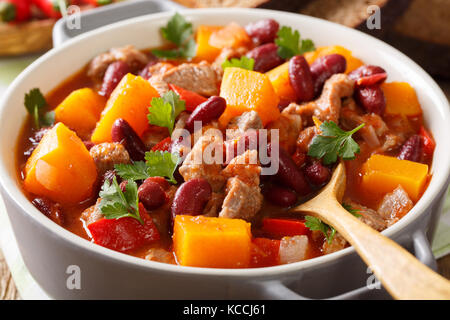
[400, 272]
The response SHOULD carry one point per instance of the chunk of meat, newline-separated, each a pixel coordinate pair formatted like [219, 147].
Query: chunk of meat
[238, 125]
[328, 106]
[289, 125]
[201, 78]
[229, 53]
[52, 210]
[369, 216]
[395, 205]
[92, 213]
[159, 255]
[107, 154]
[242, 201]
[153, 136]
[134, 58]
[197, 164]
[156, 73]
[305, 138]
[243, 195]
[338, 243]
[293, 249]
[214, 205]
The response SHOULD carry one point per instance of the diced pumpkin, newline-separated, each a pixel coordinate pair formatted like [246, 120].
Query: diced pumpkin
[212, 242]
[230, 36]
[204, 50]
[382, 174]
[401, 99]
[279, 77]
[246, 90]
[352, 62]
[130, 101]
[80, 110]
[60, 168]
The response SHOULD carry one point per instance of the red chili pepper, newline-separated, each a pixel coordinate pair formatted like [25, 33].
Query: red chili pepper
[125, 233]
[50, 8]
[15, 10]
[264, 253]
[428, 143]
[192, 99]
[163, 145]
[278, 228]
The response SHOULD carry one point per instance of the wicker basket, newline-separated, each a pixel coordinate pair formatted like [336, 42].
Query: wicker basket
[28, 37]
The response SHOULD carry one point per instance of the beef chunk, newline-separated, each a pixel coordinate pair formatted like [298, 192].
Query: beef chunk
[106, 155]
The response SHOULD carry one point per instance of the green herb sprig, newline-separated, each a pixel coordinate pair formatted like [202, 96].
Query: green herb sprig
[35, 104]
[243, 63]
[289, 43]
[163, 111]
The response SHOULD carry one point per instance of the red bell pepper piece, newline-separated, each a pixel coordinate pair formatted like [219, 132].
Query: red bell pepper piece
[124, 234]
[192, 99]
[428, 143]
[15, 10]
[163, 145]
[278, 228]
[264, 253]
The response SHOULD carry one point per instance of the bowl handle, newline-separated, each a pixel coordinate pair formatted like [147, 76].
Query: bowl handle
[68, 27]
[277, 290]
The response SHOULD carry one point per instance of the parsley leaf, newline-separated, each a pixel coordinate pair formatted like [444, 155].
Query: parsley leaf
[178, 31]
[116, 204]
[243, 63]
[35, 103]
[289, 44]
[334, 142]
[164, 110]
[351, 210]
[158, 164]
[314, 223]
[162, 164]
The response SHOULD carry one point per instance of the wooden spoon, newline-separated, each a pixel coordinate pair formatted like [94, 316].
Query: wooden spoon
[400, 272]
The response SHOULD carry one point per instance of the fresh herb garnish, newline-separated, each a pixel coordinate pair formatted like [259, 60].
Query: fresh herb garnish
[116, 204]
[243, 63]
[334, 142]
[289, 43]
[157, 164]
[314, 223]
[35, 104]
[351, 210]
[179, 32]
[163, 111]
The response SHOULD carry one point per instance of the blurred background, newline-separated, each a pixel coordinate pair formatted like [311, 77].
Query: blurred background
[419, 28]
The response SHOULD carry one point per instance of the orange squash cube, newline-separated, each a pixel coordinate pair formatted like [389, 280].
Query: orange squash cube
[352, 62]
[246, 90]
[382, 174]
[204, 50]
[80, 110]
[61, 168]
[212, 242]
[279, 77]
[130, 101]
[401, 99]
[230, 36]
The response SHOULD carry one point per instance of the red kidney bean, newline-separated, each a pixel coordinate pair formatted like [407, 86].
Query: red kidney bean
[265, 56]
[191, 197]
[317, 173]
[262, 31]
[51, 209]
[280, 196]
[301, 78]
[114, 73]
[412, 149]
[151, 194]
[368, 75]
[205, 112]
[371, 98]
[88, 144]
[289, 174]
[123, 133]
[35, 139]
[159, 180]
[145, 73]
[324, 67]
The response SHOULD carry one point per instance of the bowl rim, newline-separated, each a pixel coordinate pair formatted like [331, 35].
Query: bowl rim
[437, 183]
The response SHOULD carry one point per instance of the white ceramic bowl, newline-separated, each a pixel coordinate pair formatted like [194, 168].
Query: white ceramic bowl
[48, 250]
